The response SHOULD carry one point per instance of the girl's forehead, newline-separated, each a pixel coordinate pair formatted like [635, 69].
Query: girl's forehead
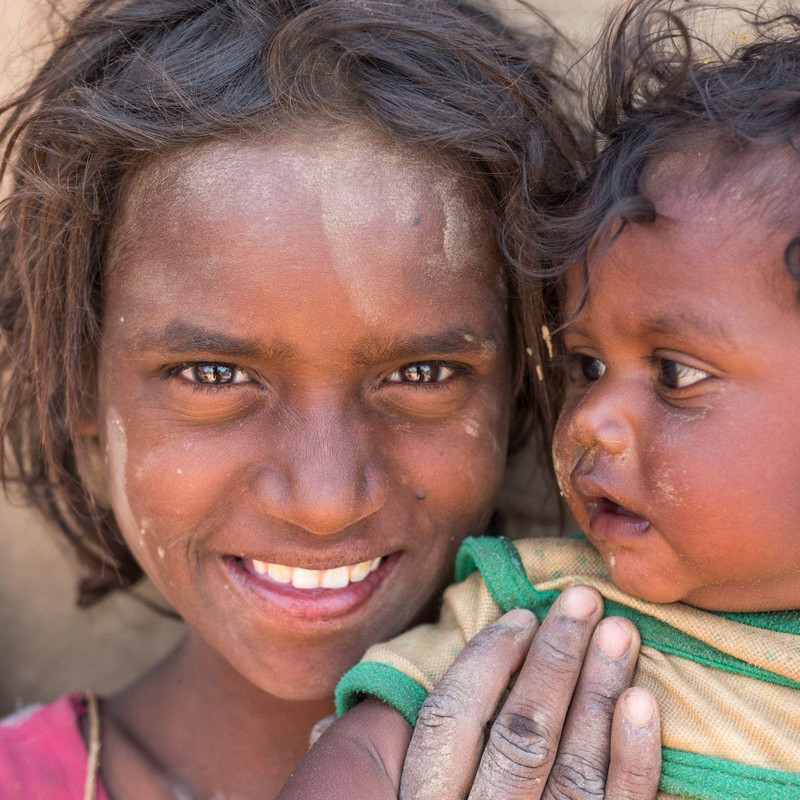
[328, 221]
[347, 177]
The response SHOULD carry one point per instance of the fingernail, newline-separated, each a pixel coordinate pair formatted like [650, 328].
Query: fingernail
[613, 638]
[638, 708]
[519, 618]
[579, 602]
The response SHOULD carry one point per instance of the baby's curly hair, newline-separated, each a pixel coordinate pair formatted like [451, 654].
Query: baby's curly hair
[679, 78]
[130, 80]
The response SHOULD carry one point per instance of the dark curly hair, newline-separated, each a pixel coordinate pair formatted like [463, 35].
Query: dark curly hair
[129, 80]
[662, 84]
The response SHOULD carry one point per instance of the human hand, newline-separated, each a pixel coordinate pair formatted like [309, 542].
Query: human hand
[568, 729]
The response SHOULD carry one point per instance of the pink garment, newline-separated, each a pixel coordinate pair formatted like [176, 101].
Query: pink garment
[42, 754]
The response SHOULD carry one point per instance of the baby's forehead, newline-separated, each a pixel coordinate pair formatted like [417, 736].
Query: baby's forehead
[737, 189]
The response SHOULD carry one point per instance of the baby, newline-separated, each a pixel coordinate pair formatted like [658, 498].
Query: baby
[678, 445]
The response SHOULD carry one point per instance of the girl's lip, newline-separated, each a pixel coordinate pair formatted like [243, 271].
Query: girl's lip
[610, 521]
[297, 607]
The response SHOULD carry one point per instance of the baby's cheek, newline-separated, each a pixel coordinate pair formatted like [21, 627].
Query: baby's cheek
[566, 455]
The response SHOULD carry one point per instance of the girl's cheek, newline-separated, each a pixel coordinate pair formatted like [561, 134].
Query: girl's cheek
[116, 467]
[150, 508]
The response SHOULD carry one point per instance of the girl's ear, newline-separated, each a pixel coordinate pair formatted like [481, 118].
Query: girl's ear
[89, 427]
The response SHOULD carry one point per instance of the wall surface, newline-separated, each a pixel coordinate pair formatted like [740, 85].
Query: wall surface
[46, 645]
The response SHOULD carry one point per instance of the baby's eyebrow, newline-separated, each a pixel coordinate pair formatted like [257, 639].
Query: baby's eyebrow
[183, 338]
[671, 323]
[451, 342]
[683, 322]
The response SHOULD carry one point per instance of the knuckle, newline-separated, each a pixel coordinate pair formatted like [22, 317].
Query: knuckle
[490, 639]
[599, 699]
[441, 708]
[638, 782]
[554, 654]
[519, 747]
[576, 778]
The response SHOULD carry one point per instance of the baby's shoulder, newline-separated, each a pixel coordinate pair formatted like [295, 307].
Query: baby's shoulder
[42, 752]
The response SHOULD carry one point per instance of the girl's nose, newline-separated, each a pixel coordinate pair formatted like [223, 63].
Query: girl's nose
[326, 478]
[601, 421]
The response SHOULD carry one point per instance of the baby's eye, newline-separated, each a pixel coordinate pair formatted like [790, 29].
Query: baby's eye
[675, 375]
[424, 372]
[591, 368]
[213, 374]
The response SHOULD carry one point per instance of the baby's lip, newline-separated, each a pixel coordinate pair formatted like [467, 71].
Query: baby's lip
[605, 505]
[598, 499]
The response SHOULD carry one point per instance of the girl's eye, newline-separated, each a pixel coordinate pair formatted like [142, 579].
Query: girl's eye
[592, 368]
[213, 375]
[425, 372]
[675, 375]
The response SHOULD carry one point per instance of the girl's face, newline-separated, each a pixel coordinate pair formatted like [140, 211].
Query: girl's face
[678, 449]
[304, 393]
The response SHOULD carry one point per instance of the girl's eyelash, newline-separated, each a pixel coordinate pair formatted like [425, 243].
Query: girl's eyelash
[421, 382]
[175, 371]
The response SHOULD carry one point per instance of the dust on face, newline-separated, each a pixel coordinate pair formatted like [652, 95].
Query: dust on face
[682, 404]
[348, 293]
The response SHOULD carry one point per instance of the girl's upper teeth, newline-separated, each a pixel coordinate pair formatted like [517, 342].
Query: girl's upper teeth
[336, 578]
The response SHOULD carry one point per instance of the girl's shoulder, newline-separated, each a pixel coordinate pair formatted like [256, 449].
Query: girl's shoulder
[42, 751]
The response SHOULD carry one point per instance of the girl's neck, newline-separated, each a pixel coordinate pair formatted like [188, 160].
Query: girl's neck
[196, 725]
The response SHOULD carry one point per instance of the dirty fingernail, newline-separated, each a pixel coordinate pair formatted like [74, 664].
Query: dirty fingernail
[579, 602]
[638, 708]
[613, 638]
[519, 618]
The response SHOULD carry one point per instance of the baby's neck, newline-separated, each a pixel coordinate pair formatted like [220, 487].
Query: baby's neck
[195, 722]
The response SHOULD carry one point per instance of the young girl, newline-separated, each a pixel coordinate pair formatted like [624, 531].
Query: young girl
[678, 447]
[261, 341]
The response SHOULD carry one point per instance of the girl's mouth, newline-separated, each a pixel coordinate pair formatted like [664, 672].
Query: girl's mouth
[610, 521]
[299, 578]
[296, 596]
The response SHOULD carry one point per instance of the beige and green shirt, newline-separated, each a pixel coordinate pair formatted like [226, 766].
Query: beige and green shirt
[728, 685]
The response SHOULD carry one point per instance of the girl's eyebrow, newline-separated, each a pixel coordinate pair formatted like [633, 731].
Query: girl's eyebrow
[183, 338]
[450, 342]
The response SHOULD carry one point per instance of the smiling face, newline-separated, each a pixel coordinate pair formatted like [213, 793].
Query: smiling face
[304, 393]
[678, 448]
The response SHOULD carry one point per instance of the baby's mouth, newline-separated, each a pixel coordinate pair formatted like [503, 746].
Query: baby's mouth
[300, 578]
[610, 520]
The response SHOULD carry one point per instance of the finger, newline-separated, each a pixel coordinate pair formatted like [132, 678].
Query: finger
[448, 739]
[635, 768]
[524, 739]
[582, 760]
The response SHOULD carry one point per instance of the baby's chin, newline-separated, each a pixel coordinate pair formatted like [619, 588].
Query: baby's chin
[641, 578]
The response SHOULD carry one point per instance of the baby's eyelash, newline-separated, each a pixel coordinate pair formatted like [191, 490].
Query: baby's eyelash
[563, 362]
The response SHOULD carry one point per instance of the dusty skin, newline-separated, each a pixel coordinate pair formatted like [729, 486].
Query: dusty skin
[683, 405]
[323, 275]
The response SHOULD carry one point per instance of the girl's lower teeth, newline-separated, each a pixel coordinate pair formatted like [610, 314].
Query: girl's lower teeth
[337, 578]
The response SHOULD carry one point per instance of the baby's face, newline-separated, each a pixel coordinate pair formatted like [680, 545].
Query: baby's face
[678, 448]
[305, 393]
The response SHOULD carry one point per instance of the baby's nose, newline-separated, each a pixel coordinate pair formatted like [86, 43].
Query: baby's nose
[601, 422]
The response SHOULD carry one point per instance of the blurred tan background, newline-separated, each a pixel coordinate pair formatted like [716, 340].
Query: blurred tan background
[47, 646]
